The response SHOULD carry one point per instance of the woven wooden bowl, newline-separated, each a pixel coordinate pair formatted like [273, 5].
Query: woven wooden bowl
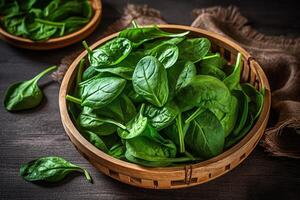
[185, 175]
[55, 43]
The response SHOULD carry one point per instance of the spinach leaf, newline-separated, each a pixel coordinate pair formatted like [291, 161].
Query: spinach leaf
[255, 107]
[89, 73]
[26, 94]
[153, 44]
[123, 72]
[180, 76]
[51, 169]
[213, 60]
[111, 53]
[229, 120]
[242, 110]
[213, 66]
[113, 110]
[95, 140]
[194, 49]
[150, 81]
[166, 53]
[127, 107]
[204, 91]
[134, 127]
[153, 148]
[159, 118]
[141, 35]
[256, 99]
[205, 135]
[117, 151]
[100, 91]
[233, 79]
[185, 77]
[163, 162]
[99, 125]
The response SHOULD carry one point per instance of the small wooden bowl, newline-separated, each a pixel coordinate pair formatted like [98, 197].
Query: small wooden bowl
[55, 43]
[184, 175]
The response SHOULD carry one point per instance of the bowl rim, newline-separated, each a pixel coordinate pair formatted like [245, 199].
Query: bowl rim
[68, 124]
[97, 8]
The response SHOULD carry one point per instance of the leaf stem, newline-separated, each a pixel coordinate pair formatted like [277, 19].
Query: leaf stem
[73, 99]
[209, 57]
[134, 24]
[238, 60]
[40, 75]
[115, 123]
[194, 115]
[87, 175]
[59, 24]
[86, 46]
[181, 134]
[79, 72]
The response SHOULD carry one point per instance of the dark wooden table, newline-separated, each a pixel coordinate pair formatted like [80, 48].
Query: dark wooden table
[39, 132]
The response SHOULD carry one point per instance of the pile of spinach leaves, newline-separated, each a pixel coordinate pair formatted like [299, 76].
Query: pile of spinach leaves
[40, 20]
[158, 99]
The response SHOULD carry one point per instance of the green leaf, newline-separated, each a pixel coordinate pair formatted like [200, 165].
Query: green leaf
[242, 110]
[95, 140]
[159, 118]
[111, 53]
[123, 72]
[89, 73]
[99, 125]
[166, 53]
[254, 109]
[150, 81]
[233, 79]
[212, 66]
[134, 127]
[141, 35]
[51, 169]
[101, 91]
[256, 99]
[205, 135]
[205, 92]
[26, 94]
[194, 49]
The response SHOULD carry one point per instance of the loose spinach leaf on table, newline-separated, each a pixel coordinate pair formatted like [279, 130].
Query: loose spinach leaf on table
[26, 94]
[150, 81]
[51, 169]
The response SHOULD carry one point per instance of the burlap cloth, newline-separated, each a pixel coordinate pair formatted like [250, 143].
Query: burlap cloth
[278, 56]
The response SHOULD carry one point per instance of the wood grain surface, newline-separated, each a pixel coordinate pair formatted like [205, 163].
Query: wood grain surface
[39, 132]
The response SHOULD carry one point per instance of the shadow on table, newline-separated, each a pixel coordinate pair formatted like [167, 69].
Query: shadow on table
[65, 181]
